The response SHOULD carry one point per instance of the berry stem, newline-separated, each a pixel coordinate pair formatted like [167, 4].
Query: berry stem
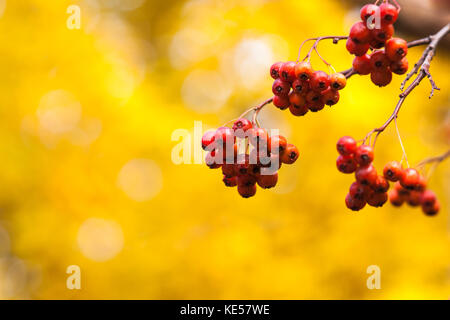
[336, 39]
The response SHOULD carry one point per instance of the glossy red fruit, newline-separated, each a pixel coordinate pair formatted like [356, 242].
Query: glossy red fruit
[316, 104]
[277, 144]
[393, 171]
[275, 70]
[300, 86]
[290, 155]
[346, 146]
[362, 64]
[224, 135]
[358, 49]
[281, 102]
[319, 81]
[346, 164]
[297, 99]
[432, 210]
[241, 126]
[303, 71]
[388, 13]
[280, 87]
[381, 185]
[395, 198]
[376, 199]
[403, 193]
[414, 198]
[379, 60]
[230, 181]
[368, 11]
[384, 33]
[354, 204]
[228, 170]
[298, 110]
[258, 137]
[359, 33]
[287, 71]
[381, 77]
[364, 155]
[410, 178]
[211, 160]
[207, 139]
[246, 191]
[396, 49]
[358, 191]
[338, 81]
[428, 198]
[267, 181]
[330, 96]
[400, 67]
[366, 175]
[246, 180]
[376, 44]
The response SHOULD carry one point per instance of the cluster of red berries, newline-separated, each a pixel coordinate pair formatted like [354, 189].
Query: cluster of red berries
[372, 189]
[301, 89]
[258, 164]
[411, 188]
[369, 187]
[380, 63]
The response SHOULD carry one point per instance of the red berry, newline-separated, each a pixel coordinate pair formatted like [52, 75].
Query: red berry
[300, 86]
[358, 49]
[393, 171]
[290, 155]
[281, 102]
[384, 33]
[297, 99]
[359, 33]
[432, 210]
[224, 135]
[228, 170]
[422, 184]
[388, 13]
[381, 185]
[275, 70]
[362, 64]
[399, 67]
[230, 181]
[381, 77]
[287, 71]
[246, 180]
[298, 110]
[414, 198]
[410, 178]
[379, 60]
[346, 164]
[376, 199]
[354, 204]
[395, 198]
[330, 96]
[241, 126]
[277, 144]
[211, 160]
[364, 155]
[368, 11]
[346, 146]
[338, 81]
[319, 81]
[207, 139]
[376, 44]
[314, 101]
[268, 181]
[280, 87]
[358, 191]
[428, 198]
[258, 137]
[303, 71]
[403, 193]
[246, 191]
[396, 49]
[366, 175]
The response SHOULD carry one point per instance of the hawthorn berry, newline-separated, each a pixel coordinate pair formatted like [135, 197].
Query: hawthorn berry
[381, 185]
[314, 100]
[428, 198]
[358, 49]
[246, 191]
[354, 204]
[399, 67]
[207, 139]
[300, 86]
[346, 146]
[230, 181]
[258, 137]
[379, 60]
[280, 87]
[431, 210]
[298, 110]
[346, 164]
[297, 99]
[410, 178]
[211, 162]
[277, 144]
[366, 175]
[368, 11]
[384, 33]
[287, 71]
[414, 198]
[393, 171]
[395, 198]
[376, 199]
[319, 81]
[241, 126]
[381, 77]
[267, 181]
[362, 64]
[290, 154]
[303, 71]
[246, 180]
[281, 102]
[364, 155]
[421, 184]
[396, 49]
[224, 135]
[338, 81]
[228, 170]
[358, 191]
[275, 70]
[388, 13]
[376, 44]
[359, 33]
[330, 96]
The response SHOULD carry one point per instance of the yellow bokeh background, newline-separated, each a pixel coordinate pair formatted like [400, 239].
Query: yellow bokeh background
[87, 179]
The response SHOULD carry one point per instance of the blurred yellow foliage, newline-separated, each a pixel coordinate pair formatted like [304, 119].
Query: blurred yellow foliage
[86, 176]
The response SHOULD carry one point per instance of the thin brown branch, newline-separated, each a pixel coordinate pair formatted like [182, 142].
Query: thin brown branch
[436, 159]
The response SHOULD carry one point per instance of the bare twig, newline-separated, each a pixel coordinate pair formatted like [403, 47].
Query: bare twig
[437, 159]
